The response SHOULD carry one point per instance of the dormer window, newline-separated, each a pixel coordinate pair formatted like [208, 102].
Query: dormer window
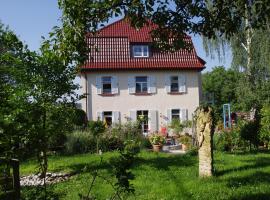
[140, 51]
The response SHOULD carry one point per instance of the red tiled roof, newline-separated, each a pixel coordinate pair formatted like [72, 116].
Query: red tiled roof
[110, 49]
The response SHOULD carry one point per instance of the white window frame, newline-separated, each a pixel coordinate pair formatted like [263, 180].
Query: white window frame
[142, 53]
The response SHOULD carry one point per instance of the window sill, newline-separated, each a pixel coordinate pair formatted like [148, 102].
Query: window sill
[176, 93]
[142, 94]
[107, 95]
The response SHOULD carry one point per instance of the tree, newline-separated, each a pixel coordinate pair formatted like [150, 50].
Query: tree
[13, 96]
[221, 83]
[37, 98]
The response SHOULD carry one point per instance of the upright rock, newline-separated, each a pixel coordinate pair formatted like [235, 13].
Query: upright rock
[205, 130]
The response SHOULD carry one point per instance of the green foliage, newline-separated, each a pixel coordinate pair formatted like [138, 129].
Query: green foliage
[157, 139]
[185, 139]
[121, 166]
[110, 139]
[80, 118]
[176, 126]
[96, 127]
[250, 132]
[221, 83]
[80, 142]
[265, 125]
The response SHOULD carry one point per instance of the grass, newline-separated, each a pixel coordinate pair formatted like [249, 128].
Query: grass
[161, 176]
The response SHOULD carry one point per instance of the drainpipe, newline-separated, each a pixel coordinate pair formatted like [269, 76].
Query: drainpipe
[86, 96]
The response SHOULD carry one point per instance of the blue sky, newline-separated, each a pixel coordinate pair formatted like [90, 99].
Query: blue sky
[31, 19]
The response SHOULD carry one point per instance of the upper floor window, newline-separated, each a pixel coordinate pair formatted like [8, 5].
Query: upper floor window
[106, 85]
[174, 84]
[141, 84]
[140, 51]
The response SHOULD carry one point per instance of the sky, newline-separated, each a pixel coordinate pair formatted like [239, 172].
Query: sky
[31, 19]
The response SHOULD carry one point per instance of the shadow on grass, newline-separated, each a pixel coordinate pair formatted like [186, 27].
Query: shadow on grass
[37, 193]
[255, 163]
[259, 196]
[163, 163]
[253, 179]
[252, 152]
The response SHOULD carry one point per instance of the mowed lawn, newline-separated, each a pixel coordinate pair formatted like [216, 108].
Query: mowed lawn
[166, 176]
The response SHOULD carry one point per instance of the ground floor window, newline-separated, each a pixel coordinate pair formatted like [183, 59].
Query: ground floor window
[107, 118]
[142, 117]
[175, 114]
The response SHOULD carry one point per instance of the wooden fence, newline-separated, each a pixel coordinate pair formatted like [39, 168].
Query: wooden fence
[9, 179]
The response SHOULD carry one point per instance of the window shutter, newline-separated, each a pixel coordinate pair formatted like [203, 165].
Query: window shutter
[133, 115]
[183, 115]
[153, 119]
[182, 83]
[169, 116]
[131, 84]
[168, 83]
[99, 85]
[116, 117]
[151, 84]
[114, 85]
[100, 116]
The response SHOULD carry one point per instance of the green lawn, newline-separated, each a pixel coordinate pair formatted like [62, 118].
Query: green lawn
[165, 176]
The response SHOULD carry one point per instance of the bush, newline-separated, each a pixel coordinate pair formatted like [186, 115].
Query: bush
[265, 125]
[229, 140]
[80, 118]
[250, 132]
[80, 142]
[193, 151]
[145, 143]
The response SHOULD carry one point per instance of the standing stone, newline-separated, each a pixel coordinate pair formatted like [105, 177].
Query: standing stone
[205, 129]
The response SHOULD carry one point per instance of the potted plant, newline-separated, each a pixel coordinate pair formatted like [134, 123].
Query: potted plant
[185, 140]
[157, 140]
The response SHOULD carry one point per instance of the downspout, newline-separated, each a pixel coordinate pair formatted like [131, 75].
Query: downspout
[86, 96]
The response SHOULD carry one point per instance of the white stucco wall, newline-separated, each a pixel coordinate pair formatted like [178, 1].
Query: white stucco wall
[124, 102]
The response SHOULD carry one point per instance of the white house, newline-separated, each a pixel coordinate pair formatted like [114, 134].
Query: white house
[125, 77]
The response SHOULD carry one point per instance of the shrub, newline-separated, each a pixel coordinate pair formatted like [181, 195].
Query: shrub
[250, 132]
[193, 151]
[265, 125]
[80, 142]
[230, 140]
[176, 126]
[145, 143]
[80, 118]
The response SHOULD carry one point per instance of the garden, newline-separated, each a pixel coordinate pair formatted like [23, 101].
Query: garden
[48, 143]
[162, 176]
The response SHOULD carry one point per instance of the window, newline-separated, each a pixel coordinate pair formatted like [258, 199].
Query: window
[141, 84]
[107, 85]
[175, 114]
[142, 117]
[174, 84]
[140, 51]
[108, 118]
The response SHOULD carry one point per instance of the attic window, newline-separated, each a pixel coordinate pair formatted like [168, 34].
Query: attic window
[140, 51]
